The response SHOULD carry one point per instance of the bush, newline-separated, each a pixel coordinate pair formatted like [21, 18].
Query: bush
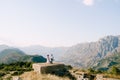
[17, 73]
[19, 66]
[69, 67]
[9, 78]
[114, 70]
[2, 74]
[90, 70]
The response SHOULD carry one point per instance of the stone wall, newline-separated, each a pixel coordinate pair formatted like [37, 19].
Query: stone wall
[45, 68]
[55, 69]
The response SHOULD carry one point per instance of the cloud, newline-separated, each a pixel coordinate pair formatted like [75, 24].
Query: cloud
[88, 2]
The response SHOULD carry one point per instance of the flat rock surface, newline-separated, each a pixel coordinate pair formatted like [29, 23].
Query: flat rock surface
[48, 64]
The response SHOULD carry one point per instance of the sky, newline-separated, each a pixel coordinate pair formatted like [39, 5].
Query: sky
[56, 23]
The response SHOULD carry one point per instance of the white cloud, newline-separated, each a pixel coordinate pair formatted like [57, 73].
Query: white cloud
[88, 2]
[92, 2]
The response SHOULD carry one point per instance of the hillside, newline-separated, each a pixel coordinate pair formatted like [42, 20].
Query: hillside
[105, 64]
[88, 54]
[10, 55]
[32, 58]
[2, 47]
[14, 55]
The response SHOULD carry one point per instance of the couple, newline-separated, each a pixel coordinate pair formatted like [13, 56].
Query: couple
[50, 59]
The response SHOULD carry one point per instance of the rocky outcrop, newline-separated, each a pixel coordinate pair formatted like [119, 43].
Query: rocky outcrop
[45, 68]
[55, 69]
[88, 54]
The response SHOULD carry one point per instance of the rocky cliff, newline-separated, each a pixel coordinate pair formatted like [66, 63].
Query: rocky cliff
[88, 54]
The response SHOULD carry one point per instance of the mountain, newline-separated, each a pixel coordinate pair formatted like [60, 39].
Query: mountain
[32, 58]
[87, 55]
[2, 47]
[58, 52]
[14, 55]
[10, 55]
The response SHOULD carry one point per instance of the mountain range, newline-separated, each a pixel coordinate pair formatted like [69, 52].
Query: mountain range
[82, 55]
[89, 54]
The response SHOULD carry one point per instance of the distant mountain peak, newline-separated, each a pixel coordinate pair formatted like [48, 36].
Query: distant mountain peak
[88, 54]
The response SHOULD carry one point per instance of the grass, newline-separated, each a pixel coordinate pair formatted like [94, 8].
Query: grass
[36, 76]
[112, 76]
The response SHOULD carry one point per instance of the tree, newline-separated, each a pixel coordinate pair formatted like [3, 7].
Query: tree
[114, 70]
[90, 70]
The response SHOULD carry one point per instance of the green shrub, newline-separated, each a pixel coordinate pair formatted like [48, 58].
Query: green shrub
[2, 74]
[19, 66]
[17, 73]
[69, 67]
[90, 70]
[114, 70]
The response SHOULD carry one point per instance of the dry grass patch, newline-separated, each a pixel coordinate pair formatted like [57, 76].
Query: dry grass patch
[113, 76]
[36, 76]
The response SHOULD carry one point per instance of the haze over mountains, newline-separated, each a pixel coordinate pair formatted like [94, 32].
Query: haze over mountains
[82, 55]
[40, 50]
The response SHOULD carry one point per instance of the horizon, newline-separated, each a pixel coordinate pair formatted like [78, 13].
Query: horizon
[57, 23]
[55, 46]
